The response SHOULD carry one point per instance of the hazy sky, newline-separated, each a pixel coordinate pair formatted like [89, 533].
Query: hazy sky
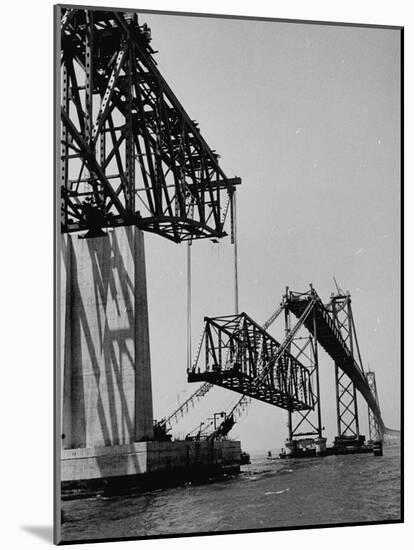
[309, 117]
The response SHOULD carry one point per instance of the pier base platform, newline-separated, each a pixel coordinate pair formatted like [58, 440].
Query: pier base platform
[124, 468]
[309, 447]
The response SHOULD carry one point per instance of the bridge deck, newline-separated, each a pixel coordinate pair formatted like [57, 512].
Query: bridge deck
[243, 384]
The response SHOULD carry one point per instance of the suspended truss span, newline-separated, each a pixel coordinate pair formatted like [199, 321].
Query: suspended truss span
[221, 431]
[239, 355]
[373, 428]
[243, 403]
[130, 153]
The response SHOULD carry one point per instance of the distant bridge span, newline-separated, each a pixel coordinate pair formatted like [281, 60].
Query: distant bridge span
[260, 369]
[327, 332]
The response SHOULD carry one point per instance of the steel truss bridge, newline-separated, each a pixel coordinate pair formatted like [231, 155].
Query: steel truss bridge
[130, 153]
[238, 354]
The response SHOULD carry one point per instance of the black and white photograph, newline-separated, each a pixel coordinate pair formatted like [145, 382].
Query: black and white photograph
[228, 260]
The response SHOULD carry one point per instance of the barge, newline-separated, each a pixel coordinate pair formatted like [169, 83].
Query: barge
[344, 445]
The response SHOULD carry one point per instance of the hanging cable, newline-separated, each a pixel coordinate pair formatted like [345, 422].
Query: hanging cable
[233, 227]
[234, 242]
[189, 351]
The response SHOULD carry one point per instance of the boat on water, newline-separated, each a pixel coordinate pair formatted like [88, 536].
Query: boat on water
[244, 458]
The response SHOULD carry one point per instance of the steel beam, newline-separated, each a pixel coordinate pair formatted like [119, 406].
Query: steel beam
[239, 355]
[346, 398]
[164, 178]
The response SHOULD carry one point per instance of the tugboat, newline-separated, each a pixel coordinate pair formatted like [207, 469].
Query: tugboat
[377, 448]
[244, 458]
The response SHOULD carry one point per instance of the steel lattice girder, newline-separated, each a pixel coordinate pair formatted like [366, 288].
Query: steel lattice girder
[130, 154]
[375, 433]
[304, 347]
[346, 397]
[308, 422]
[240, 355]
[347, 410]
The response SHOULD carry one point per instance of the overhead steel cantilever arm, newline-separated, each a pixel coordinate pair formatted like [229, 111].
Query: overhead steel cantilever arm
[169, 93]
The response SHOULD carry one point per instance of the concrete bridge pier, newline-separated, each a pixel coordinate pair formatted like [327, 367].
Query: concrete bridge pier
[107, 417]
[105, 353]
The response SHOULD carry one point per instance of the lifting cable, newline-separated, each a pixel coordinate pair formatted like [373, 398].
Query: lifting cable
[189, 350]
[233, 221]
[233, 224]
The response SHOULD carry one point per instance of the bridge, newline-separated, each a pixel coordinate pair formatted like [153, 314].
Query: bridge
[132, 160]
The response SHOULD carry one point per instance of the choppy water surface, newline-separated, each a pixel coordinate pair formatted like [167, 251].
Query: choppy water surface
[267, 494]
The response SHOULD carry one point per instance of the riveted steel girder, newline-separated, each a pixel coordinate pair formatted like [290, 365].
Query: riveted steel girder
[130, 153]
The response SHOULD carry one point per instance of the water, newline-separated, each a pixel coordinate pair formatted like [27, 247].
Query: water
[267, 494]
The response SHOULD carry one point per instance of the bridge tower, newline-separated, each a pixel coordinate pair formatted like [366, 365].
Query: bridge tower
[346, 394]
[332, 326]
[375, 432]
[305, 427]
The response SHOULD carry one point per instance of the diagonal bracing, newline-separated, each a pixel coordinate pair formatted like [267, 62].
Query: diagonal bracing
[130, 153]
[240, 355]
